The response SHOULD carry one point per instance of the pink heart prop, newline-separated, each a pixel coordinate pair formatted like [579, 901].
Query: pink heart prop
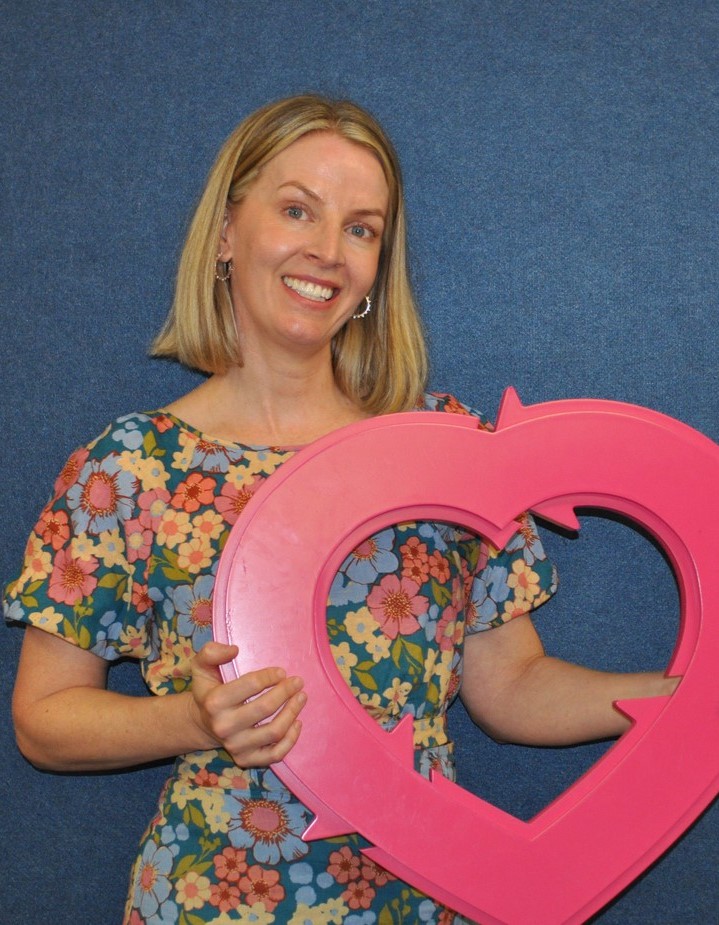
[603, 831]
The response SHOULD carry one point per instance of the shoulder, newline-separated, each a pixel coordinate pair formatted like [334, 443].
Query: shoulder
[444, 401]
[118, 450]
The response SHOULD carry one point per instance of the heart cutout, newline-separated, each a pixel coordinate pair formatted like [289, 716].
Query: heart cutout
[589, 843]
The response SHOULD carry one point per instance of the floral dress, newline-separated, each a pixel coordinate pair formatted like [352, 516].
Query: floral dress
[122, 562]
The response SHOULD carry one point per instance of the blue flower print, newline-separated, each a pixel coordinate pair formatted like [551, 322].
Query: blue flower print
[272, 828]
[211, 457]
[371, 558]
[347, 592]
[527, 540]
[128, 435]
[102, 495]
[193, 607]
[153, 886]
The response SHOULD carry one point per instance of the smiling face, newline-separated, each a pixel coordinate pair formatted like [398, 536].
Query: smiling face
[305, 244]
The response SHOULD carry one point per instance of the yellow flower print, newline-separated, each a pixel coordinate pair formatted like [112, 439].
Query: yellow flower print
[397, 695]
[174, 528]
[361, 626]
[111, 549]
[378, 647]
[194, 555]
[234, 778]
[180, 793]
[263, 463]
[429, 732]
[48, 619]
[523, 581]
[152, 473]
[134, 643]
[82, 547]
[208, 524]
[216, 817]
[256, 914]
[173, 664]
[38, 563]
[193, 890]
[333, 912]
[372, 703]
[345, 659]
[430, 664]
[130, 461]
[183, 458]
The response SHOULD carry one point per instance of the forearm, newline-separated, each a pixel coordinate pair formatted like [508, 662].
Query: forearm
[89, 729]
[552, 702]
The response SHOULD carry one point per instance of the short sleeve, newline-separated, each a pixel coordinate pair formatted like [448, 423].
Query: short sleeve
[78, 580]
[511, 581]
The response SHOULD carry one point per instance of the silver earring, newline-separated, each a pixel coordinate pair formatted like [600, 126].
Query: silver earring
[367, 309]
[228, 269]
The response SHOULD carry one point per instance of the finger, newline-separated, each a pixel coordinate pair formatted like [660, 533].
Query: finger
[260, 702]
[250, 737]
[268, 743]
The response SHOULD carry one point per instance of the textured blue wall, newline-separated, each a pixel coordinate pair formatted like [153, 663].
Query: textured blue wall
[561, 164]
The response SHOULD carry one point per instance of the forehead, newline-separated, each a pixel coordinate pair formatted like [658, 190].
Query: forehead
[326, 163]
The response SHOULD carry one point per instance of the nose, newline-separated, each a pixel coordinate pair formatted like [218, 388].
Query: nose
[326, 244]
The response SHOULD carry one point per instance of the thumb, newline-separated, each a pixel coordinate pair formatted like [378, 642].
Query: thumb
[208, 660]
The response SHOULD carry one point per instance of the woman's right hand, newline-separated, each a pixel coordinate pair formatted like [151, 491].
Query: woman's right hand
[253, 717]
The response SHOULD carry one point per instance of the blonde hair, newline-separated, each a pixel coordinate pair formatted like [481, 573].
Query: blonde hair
[380, 362]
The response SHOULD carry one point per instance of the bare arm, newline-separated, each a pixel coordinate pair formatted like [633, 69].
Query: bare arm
[517, 693]
[66, 720]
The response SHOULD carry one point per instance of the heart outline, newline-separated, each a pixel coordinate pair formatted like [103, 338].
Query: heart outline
[566, 440]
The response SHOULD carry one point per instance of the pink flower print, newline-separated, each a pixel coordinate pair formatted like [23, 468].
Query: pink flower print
[439, 567]
[359, 895]
[138, 539]
[232, 501]
[70, 471]
[344, 865]
[141, 599]
[230, 865]
[224, 896]
[415, 563]
[395, 605]
[373, 873]
[447, 634]
[262, 886]
[152, 506]
[54, 528]
[162, 422]
[72, 579]
[195, 492]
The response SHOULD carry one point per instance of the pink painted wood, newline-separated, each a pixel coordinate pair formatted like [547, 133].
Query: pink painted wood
[273, 582]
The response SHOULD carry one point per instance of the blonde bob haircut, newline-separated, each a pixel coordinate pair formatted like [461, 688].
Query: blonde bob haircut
[380, 361]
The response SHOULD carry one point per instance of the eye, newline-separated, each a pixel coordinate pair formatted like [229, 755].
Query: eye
[295, 212]
[361, 231]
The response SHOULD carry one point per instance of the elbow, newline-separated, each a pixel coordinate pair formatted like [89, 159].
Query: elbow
[33, 746]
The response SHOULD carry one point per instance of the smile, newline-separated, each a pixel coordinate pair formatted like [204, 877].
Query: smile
[309, 290]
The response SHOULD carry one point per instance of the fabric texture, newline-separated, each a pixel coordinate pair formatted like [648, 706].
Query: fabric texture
[122, 562]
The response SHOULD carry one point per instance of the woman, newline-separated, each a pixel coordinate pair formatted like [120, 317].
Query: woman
[293, 297]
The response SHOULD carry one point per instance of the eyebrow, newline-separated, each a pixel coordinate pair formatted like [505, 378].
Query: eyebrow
[379, 213]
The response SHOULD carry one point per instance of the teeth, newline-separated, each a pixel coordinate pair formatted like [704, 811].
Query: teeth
[308, 290]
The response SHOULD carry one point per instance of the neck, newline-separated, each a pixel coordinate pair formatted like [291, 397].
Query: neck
[282, 403]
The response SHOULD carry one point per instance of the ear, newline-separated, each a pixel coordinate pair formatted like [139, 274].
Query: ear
[224, 249]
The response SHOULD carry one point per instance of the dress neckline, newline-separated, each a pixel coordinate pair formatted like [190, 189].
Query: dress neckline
[220, 441]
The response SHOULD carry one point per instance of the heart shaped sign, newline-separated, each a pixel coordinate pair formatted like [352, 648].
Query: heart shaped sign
[602, 832]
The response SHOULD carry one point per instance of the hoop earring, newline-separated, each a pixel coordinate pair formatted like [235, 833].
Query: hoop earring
[367, 310]
[228, 270]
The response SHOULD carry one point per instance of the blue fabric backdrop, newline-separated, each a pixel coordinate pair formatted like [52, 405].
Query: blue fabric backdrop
[561, 164]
